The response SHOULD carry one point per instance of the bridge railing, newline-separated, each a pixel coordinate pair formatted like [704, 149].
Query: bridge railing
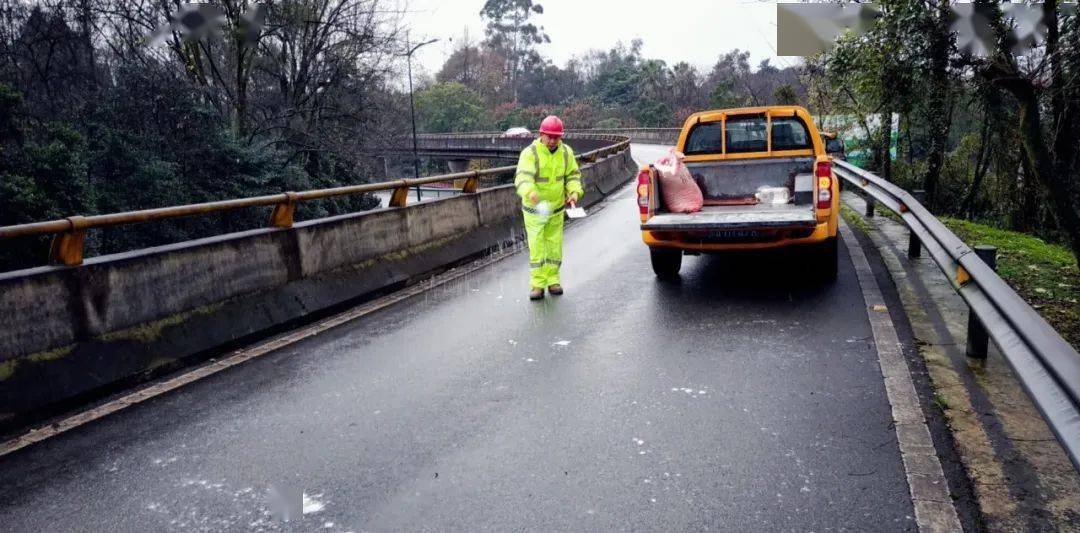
[641, 135]
[644, 135]
[489, 143]
[70, 233]
[1046, 365]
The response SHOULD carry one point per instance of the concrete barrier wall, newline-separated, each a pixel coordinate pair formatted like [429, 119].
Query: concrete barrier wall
[66, 332]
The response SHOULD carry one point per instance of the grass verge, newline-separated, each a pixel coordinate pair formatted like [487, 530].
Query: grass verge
[854, 218]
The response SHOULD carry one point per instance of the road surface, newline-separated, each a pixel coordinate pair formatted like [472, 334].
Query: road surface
[741, 398]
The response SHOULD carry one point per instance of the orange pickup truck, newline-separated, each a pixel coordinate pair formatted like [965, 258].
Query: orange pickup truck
[731, 154]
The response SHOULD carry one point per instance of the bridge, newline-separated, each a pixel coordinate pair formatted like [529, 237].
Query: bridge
[384, 371]
[459, 149]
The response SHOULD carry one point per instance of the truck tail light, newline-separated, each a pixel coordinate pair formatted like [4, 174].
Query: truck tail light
[643, 192]
[823, 172]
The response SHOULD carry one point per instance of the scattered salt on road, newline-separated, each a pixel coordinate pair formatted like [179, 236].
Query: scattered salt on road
[312, 505]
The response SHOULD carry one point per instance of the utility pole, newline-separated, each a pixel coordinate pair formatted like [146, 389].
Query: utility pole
[412, 109]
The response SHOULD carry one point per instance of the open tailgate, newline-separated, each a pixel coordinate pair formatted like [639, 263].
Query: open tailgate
[736, 217]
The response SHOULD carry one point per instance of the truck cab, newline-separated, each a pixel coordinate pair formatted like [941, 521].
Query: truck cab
[732, 154]
[834, 145]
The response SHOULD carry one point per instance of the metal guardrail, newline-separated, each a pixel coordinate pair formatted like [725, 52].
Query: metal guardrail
[1047, 366]
[70, 233]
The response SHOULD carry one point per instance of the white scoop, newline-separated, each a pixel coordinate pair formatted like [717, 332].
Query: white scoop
[576, 212]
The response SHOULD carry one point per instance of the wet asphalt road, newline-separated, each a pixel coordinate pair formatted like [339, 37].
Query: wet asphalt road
[742, 398]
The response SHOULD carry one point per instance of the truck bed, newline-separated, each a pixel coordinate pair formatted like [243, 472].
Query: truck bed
[735, 217]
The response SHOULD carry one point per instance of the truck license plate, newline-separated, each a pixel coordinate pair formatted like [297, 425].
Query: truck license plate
[733, 234]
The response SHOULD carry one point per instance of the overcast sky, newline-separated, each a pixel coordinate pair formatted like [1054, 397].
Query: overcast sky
[696, 31]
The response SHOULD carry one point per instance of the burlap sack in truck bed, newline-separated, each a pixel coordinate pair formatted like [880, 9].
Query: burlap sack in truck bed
[677, 187]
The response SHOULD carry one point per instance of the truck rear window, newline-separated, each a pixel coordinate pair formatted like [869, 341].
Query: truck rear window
[704, 139]
[789, 133]
[747, 134]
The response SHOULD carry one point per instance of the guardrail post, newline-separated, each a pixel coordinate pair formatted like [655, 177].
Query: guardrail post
[282, 216]
[978, 340]
[400, 196]
[869, 211]
[67, 247]
[472, 183]
[914, 247]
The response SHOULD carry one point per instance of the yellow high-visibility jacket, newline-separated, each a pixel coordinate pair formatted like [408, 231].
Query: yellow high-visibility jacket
[554, 175]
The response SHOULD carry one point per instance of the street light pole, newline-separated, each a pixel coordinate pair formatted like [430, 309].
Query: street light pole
[412, 110]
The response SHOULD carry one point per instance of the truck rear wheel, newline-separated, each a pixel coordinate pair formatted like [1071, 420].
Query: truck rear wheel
[666, 263]
[825, 259]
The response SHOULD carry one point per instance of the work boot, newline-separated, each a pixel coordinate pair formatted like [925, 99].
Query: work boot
[555, 290]
[536, 294]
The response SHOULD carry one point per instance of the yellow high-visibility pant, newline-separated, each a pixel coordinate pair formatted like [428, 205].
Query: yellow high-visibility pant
[545, 235]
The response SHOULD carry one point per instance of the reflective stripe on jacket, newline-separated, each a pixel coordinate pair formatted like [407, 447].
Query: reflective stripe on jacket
[554, 175]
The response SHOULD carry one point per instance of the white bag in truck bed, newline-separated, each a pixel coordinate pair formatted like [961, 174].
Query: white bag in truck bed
[736, 216]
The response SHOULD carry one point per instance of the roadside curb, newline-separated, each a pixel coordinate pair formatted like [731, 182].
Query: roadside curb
[934, 510]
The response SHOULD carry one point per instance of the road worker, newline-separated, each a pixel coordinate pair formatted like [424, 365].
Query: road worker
[547, 180]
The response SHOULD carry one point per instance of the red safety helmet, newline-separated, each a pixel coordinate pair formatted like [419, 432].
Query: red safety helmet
[552, 125]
